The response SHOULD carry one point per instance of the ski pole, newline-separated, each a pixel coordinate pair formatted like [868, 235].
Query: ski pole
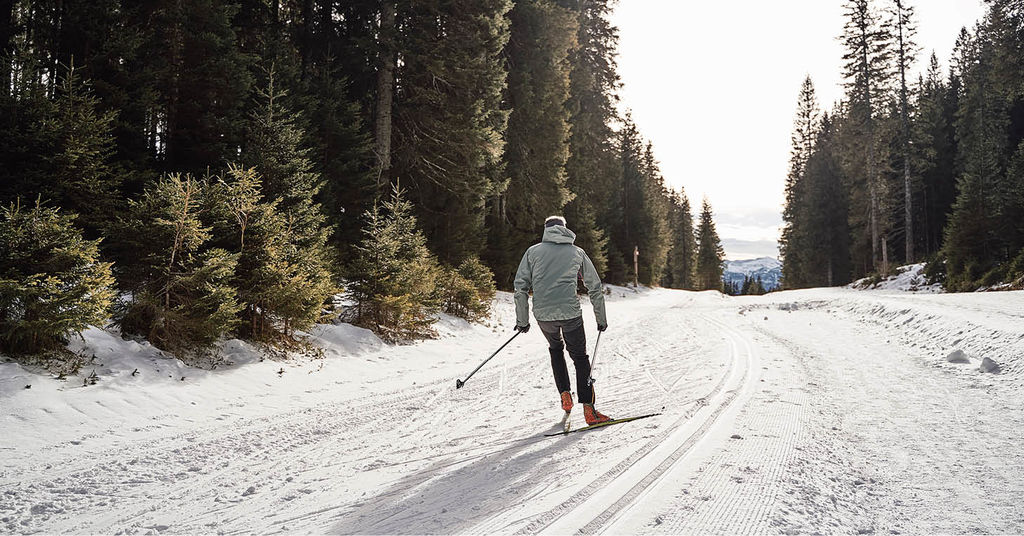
[590, 378]
[460, 383]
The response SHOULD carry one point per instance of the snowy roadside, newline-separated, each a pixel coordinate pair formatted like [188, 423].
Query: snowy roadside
[826, 410]
[138, 385]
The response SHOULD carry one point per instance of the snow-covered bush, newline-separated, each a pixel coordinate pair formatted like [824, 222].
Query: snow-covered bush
[51, 283]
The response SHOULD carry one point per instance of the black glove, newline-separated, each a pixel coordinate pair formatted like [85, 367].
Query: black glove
[602, 327]
[523, 329]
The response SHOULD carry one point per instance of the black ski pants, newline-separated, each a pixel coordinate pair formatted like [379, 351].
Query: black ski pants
[569, 334]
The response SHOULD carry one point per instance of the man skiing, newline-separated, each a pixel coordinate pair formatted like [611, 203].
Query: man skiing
[551, 269]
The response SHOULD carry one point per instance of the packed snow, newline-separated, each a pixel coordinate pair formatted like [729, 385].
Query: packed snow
[817, 411]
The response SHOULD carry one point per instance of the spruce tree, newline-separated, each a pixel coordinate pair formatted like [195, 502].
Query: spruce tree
[52, 284]
[342, 154]
[448, 121]
[932, 156]
[286, 272]
[971, 247]
[393, 278]
[201, 80]
[182, 297]
[710, 254]
[824, 259]
[625, 207]
[793, 242]
[536, 147]
[905, 28]
[681, 266]
[281, 286]
[592, 168]
[81, 177]
[653, 231]
[867, 70]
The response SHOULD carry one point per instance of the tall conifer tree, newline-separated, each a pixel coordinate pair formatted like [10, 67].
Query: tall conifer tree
[793, 243]
[592, 170]
[710, 254]
[867, 70]
[448, 122]
[536, 148]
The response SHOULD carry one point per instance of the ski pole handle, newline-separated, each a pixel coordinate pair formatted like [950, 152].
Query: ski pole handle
[460, 383]
[590, 378]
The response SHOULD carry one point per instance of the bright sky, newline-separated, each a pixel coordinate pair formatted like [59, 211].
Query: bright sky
[714, 86]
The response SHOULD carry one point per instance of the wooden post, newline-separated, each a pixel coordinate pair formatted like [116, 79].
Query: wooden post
[636, 269]
[885, 258]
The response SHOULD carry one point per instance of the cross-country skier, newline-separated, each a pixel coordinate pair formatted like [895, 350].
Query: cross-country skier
[551, 269]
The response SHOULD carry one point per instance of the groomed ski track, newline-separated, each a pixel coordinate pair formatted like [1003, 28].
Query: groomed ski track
[825, 411]
[602, 501]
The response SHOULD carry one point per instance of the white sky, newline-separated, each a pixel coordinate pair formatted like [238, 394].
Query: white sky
[714, 86]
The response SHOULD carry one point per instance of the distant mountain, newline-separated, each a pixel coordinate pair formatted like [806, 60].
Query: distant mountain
[767, 268]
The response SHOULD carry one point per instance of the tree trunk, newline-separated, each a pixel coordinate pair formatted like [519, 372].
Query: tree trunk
[6, 35]
[385, 93]
[308, 34]
[908, 201]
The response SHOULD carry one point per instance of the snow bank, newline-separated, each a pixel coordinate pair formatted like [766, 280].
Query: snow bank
[979, 326]
[908, 278]
[344, 339]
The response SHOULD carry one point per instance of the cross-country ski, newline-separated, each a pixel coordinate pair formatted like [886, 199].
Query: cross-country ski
[569, 430]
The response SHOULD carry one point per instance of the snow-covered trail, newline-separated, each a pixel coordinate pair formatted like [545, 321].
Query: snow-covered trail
[816, 411]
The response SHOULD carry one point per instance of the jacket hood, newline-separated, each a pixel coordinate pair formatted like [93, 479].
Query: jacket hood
[559, 235]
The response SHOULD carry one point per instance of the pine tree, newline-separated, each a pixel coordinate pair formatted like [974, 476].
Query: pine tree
[536, 147]
[393, 278]
[681, 267]
[906, 51]
[182, 298]
[867, 70]
[81, 178]
[710, 254]
[793, 242]
[448, 122]
[592, 168]
[52, 284]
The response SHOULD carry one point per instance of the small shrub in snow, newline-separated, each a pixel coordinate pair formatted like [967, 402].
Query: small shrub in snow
[281, 275]
[182, 300]
[51, 284]
[394, 276]
[467, 292]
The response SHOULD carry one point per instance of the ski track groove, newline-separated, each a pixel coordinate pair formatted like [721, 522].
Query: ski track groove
[542, 521]
[738, 494]
[596, 524]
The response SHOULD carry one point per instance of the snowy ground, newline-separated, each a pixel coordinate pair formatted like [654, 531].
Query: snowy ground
[824, 411]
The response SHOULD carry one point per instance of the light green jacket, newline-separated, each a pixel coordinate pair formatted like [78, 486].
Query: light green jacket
[551, 269]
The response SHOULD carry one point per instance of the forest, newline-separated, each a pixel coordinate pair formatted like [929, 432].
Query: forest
[912, 169]
[190, 170]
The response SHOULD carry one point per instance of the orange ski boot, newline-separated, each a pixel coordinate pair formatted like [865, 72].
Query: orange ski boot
[566, 401]
[593, 416]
